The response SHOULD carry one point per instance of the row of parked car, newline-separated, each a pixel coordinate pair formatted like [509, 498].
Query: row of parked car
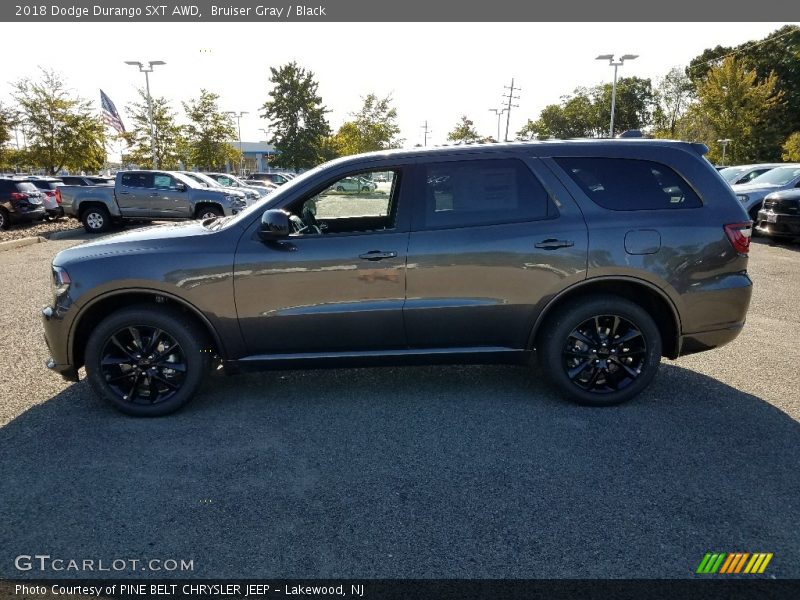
[770, 193]
[33, 198]
[25, 198]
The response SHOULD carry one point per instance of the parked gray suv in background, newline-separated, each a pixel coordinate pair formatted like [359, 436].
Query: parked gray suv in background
[598, 256]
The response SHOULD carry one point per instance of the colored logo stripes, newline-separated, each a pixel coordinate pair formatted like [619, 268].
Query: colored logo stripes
[734, 562]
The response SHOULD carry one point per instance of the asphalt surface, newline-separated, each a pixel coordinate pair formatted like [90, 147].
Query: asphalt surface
[409, 472]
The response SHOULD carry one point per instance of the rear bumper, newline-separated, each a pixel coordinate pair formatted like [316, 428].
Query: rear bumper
[693, 343]
[28, 215]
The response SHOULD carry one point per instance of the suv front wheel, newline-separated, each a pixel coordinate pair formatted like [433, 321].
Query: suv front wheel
[601, 351]
[147, 362]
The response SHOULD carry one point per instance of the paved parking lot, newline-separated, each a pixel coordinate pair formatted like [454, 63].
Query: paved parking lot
[412, 472]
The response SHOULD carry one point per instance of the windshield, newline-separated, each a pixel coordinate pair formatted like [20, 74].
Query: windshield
[731, 174]
[779, 176]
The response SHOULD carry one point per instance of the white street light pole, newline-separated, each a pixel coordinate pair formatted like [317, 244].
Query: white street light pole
[724, 143]
[147, 70]
[239, 116]
[610, 59]
[499, 112]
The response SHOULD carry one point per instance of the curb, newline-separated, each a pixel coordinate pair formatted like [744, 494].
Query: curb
[28, 241]
[66, 234]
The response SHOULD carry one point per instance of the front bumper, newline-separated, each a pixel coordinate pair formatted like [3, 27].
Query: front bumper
[55, 336]
[776, 224]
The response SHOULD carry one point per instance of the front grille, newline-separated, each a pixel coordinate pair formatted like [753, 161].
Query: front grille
[784, 206]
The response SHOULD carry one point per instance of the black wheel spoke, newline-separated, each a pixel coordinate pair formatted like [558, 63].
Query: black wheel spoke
[134, 391]
[166, 382]
[153, 342]
[628, 336]
[117, 361]
[578, 369]
[121, 377]
[164, 364]
[137, 338]
[578, 335]
[629, 370]
[119, 345]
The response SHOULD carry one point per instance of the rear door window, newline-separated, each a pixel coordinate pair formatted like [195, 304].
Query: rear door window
[137, 180]
[630, 184]
[482, 192]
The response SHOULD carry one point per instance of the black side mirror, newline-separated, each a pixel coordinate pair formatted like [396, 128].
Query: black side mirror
[274, 225]
[181, 187]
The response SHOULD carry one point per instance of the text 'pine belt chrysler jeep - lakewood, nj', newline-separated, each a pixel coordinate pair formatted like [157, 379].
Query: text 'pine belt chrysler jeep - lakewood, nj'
[598, 256]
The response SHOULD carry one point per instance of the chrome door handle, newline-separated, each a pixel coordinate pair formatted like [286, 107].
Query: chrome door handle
[553, 244]
[377, 255]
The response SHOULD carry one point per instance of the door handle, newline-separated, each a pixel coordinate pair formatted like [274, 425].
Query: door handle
[553, 244]
[155, 195]
[124, 193]
[377, 255]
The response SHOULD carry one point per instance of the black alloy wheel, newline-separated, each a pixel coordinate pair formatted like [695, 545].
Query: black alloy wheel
[147, 360]
[600, 350]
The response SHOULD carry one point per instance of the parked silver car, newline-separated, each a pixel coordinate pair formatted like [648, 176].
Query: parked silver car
[746, 173]
[752, 194]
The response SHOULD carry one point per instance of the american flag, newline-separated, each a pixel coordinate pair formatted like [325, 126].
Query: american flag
[110, 113]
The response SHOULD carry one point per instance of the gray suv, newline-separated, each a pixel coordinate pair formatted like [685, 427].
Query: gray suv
[599, 257]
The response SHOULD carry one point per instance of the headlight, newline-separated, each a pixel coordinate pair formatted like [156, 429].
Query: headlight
[742, 198]
[61, 281]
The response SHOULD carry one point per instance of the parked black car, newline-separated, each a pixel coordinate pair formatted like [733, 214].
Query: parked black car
[599, 256]
[19, 201]
[780, 215]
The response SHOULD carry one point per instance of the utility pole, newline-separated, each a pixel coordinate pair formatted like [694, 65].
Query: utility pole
[427, 131]
[499, 112]
[511, 89]
[238, 116]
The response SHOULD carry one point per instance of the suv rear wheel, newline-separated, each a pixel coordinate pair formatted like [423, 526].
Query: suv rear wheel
[601, 351]
[208, 212]
[147, 362]
[4, 221]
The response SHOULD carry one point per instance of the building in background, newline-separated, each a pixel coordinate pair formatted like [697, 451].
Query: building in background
[257, 156]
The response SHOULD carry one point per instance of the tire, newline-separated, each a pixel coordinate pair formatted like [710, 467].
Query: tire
[121, 367]
[5, 222]
[754, 218]
[208, 212]
[96, 219]
[581, 350]
[339, 188]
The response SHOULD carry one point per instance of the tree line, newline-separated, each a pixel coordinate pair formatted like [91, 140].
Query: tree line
[748, 94]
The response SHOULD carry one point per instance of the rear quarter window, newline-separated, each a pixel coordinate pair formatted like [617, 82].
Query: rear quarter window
[630, 184]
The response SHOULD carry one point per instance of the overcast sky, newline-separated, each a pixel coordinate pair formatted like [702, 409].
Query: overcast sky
[434, 72]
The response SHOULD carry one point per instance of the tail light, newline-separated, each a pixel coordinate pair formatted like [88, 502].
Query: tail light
[739, 236]
[49, 193]
[58, 195]
[19, 196]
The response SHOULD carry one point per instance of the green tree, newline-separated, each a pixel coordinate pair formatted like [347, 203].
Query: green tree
[777, 53]
[791, 148]
[208, 133]
[635, 104]
[171, 147]
[587, 111]
[464, 131]
[374, 127]
[735, 105]
[673, 97]
[63, 130]
[297, 117]
[8, 120]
